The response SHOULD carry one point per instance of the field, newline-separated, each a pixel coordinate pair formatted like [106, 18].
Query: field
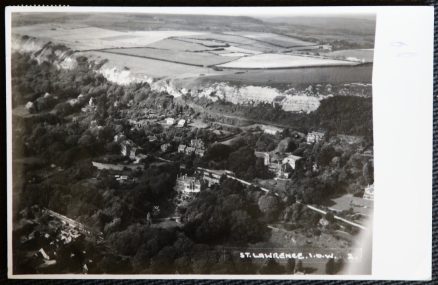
[233, 40]
[272, 60]
[197, 58]
[275, 39]
[233, 49]
[179, 45]
[365, 55]
[90, 38]
[141, 67]
[183, 57]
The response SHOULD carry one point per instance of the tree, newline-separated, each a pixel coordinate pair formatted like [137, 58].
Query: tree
[272, 267]
[241, 160]
[290, 266]
[217, 152]
[330, 217]
[270, 206]
[330, 267]
[299, 267]
[163, 262]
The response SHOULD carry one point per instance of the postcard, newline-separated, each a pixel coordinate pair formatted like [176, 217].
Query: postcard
[228, 142]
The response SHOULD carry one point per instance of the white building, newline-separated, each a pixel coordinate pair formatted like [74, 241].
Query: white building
[30, 107]
[199, 152]
[125, 148]
[326, 47]
[314, 137]
[182, 148]
[189, 150]
[264, 155]
[291, 160]
[170, 121]
[192, 185]
[271, 130]
[165, 147]
[181, 123]
[369, 192]
[197, 143]
[188, 185]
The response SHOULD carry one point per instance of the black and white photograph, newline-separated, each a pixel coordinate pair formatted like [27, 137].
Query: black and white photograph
[156, 143]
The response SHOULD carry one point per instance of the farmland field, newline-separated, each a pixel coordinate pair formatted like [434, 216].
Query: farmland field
[179, 45]
[140, 67]
[89, 38]
[189, 58]
[275, 39]
[233, 40]
[236, 50]
[282, 61]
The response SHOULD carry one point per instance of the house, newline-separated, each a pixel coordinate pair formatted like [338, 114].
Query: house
[165, 147]
[121, 178]
[369, 192]
[190, 150]
[264, 155]
[30, 107]
[213, 176]
[326, 47]
[187, 184]
[200, 152]
[182, 123]
[271, 130]
[177, 139]
[125, 147]
[314, 137]
[152, 138]
[135, 151]
[291, 160]
[274, 167]
[192, 185]
[197, 143]
[196, 146]
[182, 148]
[141, 123]
[282, 171]
[170, 121]
[119, 138]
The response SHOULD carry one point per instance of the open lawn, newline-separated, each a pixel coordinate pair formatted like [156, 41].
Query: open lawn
[347, 201]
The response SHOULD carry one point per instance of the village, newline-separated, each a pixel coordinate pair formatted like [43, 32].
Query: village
[282, 165]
